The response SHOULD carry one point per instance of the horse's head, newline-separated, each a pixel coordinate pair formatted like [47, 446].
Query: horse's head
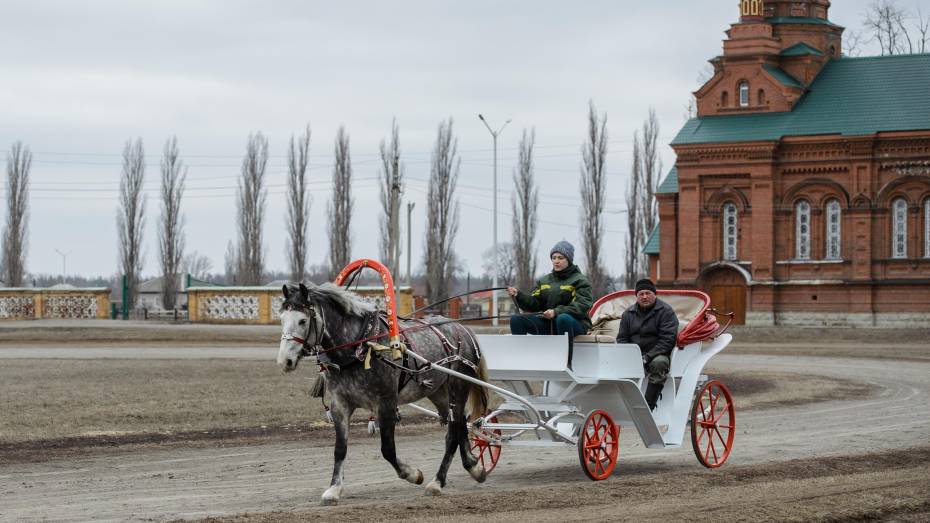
[317, 318]
[302, 326]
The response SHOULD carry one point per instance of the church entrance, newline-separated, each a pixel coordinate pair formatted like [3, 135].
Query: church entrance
[727, 290]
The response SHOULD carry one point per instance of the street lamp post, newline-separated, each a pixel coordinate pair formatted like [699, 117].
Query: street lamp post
[496, 262]
[64, 263]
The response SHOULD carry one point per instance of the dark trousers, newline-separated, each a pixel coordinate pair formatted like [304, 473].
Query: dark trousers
[532, 324]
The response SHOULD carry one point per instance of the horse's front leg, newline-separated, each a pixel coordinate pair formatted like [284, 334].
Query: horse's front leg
[341, 414]
[386, 422]
[456, 425]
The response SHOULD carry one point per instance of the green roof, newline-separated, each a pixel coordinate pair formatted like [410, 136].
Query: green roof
[670, 183]
[652, 243]
[782, 77]
[798, 20]
[801, 49]
[850, 96]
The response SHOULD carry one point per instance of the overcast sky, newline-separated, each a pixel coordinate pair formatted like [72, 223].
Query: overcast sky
[79, 79]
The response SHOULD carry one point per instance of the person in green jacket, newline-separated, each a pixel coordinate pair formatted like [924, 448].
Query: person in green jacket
[563, 296]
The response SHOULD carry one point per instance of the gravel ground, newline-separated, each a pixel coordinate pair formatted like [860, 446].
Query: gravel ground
[861, 457]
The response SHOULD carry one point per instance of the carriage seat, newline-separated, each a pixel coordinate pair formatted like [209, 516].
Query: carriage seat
[605, 313]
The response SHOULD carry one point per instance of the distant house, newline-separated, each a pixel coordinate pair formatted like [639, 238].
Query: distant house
[150, 291]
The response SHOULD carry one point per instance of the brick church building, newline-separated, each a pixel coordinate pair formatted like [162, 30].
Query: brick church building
[801, 190]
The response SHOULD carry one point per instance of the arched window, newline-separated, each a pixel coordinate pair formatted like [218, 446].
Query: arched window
[724, 99]
[761, 97]
[729, 231]
[744, 94]
[899, 228]
[833, 230]
[802, 230]
[927, 228]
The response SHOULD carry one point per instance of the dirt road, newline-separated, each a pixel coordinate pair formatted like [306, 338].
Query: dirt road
[182, 483]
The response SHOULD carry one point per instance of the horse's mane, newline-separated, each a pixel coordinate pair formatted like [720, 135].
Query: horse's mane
[330, 295]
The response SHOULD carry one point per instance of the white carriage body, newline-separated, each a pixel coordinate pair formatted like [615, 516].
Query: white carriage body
[606, 376]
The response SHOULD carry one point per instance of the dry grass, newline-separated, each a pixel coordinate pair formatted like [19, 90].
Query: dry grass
[55, 399]
[48, 399]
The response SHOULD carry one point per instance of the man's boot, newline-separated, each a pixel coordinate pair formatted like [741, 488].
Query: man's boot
[653, 393]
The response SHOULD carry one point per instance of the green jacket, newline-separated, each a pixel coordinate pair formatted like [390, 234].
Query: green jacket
[566, 292]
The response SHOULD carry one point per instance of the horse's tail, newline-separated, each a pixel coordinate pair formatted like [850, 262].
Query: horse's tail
[477, 404]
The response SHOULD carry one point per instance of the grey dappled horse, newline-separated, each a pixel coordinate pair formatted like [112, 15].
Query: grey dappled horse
[324, 321]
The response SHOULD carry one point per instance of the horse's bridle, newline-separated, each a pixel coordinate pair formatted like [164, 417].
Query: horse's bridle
[306, 349]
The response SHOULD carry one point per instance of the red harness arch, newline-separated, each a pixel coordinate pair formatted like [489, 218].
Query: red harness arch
[387, 282]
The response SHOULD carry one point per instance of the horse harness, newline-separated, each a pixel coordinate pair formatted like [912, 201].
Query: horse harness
[364, 354]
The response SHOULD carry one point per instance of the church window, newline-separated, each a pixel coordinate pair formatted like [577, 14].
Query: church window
[744, 94]
[761, 97]
[899, 228]
[724, 99]
[833, 230]
[802, 233]
[729, 231]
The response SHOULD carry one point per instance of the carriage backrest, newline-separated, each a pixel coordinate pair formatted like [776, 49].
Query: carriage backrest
[689, 306]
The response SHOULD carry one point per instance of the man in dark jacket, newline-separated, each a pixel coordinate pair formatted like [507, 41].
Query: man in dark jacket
[563, 297]
[652, 324]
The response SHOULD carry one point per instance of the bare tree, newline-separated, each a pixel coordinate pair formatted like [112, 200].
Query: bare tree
[231, 264]
[298, 204]
[593, 189]
[340, 208]
[442, 214]
[250, 204]
[652, 166]
[633, 267]
[505, 264]
[392, 190]
[197, 265]
[887, 23]
[170, 233]
[130, 217]
[524, 202]
[923, 32]
[18, 164]
[852, 42]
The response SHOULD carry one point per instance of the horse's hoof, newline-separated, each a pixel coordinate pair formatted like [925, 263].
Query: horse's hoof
[478, 473]
[434, 488]
[331, 496]
[419, 480]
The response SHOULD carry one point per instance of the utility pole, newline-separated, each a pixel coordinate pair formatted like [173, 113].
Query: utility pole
[496, 261]
[410, 206]
[64, 263]
[394, 249]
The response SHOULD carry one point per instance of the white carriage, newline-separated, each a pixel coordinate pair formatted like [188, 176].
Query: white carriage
[585, 402]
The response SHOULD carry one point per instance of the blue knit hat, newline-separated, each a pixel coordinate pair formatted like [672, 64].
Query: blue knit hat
[565, 249]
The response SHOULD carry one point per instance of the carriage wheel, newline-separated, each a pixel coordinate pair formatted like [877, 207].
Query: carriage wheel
[487, 453]
[713, 424]
[598, 445]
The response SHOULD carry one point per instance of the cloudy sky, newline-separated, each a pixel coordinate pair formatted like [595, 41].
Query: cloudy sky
[79, 79]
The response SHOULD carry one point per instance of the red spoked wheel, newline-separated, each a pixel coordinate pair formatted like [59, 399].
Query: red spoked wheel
[713, 424]
[598, 445]
[481, 447]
